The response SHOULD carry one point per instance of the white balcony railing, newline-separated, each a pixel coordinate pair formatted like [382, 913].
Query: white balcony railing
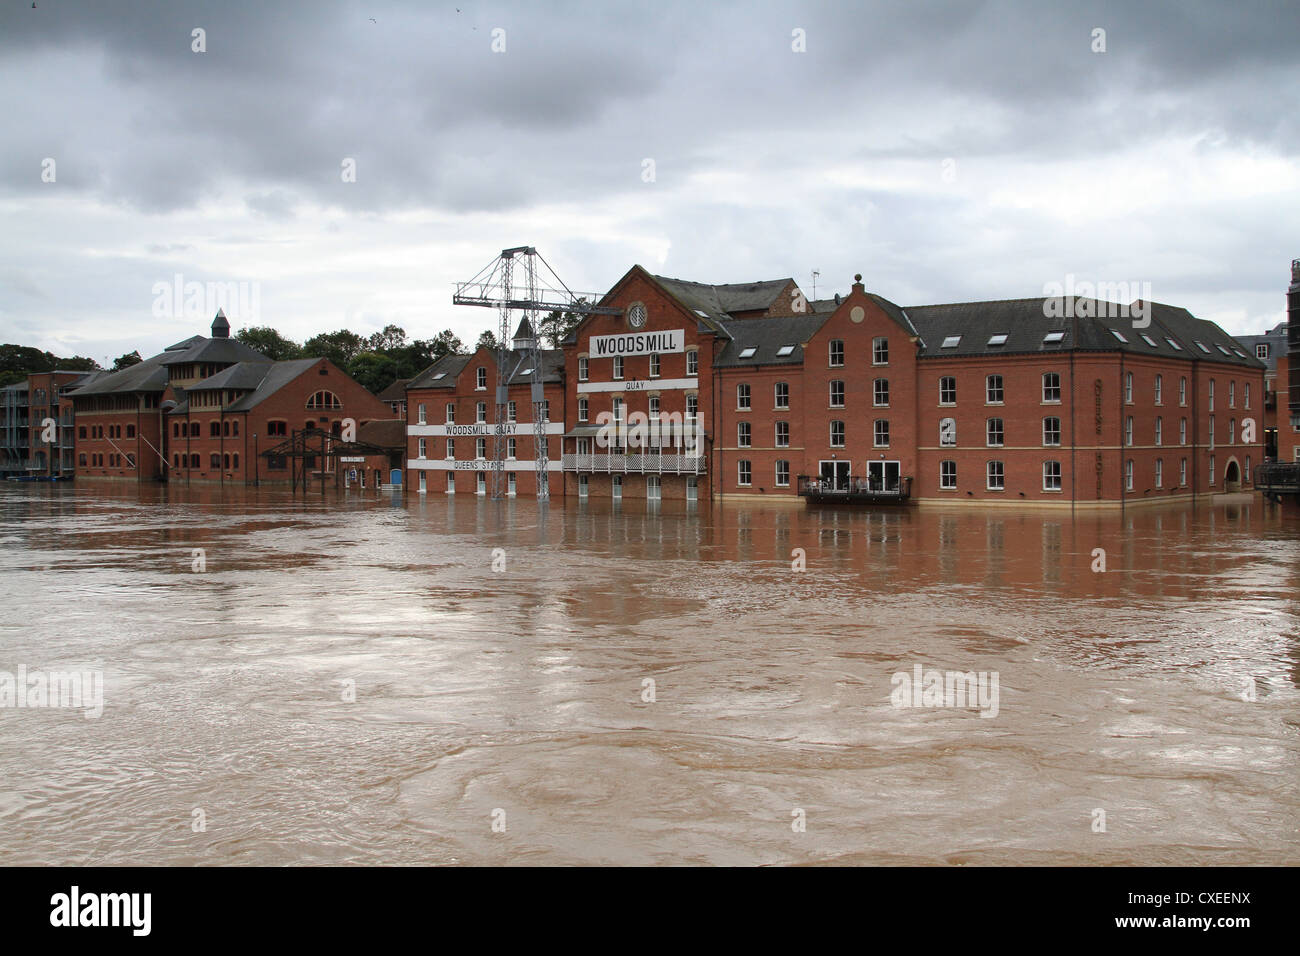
[638, 464]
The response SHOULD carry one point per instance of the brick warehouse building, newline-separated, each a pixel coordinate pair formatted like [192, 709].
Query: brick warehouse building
[204, 408]
[450, 409]
[1044, 400]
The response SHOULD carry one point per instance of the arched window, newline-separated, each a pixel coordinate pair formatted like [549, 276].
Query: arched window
[324, 399]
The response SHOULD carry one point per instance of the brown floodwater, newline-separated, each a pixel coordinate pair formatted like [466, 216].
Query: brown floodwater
[507, 716]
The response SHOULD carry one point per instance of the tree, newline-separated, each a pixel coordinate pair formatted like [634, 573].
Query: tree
[487, 340]
[391, 338]
[373, 371]
[445, 342]
[339, 347]
[556, 326]
[270, 343]
[127, 360]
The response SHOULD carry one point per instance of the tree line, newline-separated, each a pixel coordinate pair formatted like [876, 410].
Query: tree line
[376, 361]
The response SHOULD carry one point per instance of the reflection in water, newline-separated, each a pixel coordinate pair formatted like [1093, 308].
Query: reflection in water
[526, 690]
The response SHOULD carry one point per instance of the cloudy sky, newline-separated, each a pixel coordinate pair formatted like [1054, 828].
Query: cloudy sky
[947, 151]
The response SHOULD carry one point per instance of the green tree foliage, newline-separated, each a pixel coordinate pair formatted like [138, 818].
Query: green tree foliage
[339, 347]
[127, 360]
[391, 338]
[270, 343]
[19, 361]
[555, 327]
[487, 340]
[373, 370]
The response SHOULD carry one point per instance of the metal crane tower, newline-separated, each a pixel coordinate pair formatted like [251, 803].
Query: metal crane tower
[493, 288]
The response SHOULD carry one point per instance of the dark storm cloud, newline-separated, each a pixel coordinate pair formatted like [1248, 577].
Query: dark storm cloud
[286, 91]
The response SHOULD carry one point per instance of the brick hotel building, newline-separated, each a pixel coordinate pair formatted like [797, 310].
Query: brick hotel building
[1052, 401]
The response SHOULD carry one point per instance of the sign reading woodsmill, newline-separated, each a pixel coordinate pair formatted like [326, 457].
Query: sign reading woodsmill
[638, 343]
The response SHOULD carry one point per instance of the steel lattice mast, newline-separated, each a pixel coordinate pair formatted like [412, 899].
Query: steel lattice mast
[493, 287]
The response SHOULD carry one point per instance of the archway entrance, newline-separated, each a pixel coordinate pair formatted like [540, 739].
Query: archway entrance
[1232, 476]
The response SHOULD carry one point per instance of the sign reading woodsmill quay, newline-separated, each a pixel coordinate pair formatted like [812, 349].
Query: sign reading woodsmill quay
[638, 343]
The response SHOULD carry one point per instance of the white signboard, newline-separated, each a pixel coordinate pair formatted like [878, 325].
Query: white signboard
[637, 343]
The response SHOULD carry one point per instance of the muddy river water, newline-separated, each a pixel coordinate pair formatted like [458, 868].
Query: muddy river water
[354, 680]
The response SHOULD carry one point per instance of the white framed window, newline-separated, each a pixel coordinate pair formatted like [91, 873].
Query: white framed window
[837, 434]
[880, 350]
[1128, 388]
[511, 447]
[618, 366]
[480, 483]
[1160, 430]
[781, 395]
[1160, 472]
[451, 482]
[451, 448]
[836, 353]
[1128, 475]
[837, 394]
[584, 368]
[1051, 476]
[480, 413]
[1052, 388]
[948, 390]
[1128, 430]
[420, 413]
[1245, 394]
[1182, 431]
[654, 364]
[993, 393]
[451, 413]
[584, 407]
[1232, 394]
[1182, 390]
[1232, 431]
[880, 433]
[1160, 381]
[510, 412]
[948, 474]
[510, 484]
[654, 406]
[1261, 351]
[880, 393]
[1182, 473]
[693, 405]
[1051, 431]
[693, 363]
[1211, 396]
[948, 432]
[480, 379]
[995, 476]
[744, 473]
[1212, 469]
[742, 435]
[421, 453]
[1211, 441]
[742, 397]
[993, 435]
[480, 448]
[782, 474]
[782, 434]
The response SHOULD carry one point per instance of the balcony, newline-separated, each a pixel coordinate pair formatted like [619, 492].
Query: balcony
[638, 464]
[856, 490]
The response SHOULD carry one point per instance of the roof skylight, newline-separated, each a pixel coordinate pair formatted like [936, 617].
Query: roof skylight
[1119, 335]
[999, 339]
[951, 342]
[785, 350]
[748, 352]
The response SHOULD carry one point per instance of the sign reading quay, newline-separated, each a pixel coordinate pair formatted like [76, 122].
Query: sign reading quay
[637, 343]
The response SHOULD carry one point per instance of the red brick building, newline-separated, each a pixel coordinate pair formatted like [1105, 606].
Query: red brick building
[203, 410]
[1055, 401]
[451, 420]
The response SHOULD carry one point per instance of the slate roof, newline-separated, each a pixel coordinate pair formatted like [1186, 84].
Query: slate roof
[217, 350]
[1025, 322]
[449, 366]
[386, 433]
[766, 336]
[395, 392]
[147, 376]
[260, 380]
[723, 300]
[1275, 338]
